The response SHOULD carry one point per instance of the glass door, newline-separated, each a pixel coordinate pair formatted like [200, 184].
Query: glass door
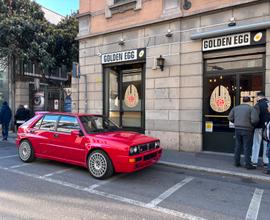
[124, 96]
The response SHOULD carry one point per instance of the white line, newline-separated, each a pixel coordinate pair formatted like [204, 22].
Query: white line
[57, 172]
[254, 205]
[101, 183]
[169, 192]
[21, 165]
[16, 155]
[107, 195]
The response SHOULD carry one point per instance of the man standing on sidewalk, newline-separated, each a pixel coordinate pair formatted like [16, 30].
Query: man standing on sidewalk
[244, 118]
[5, 117]
[264, 116]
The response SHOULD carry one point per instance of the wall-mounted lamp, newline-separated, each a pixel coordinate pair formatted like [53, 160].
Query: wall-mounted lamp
[232, 22]
[169, 33]
[121, 42]
[160, 62]
[187, 5]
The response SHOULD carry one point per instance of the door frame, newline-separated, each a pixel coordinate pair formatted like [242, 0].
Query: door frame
[126, 66]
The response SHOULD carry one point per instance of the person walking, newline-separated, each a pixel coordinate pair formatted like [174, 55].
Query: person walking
[5, 117]
[262, 109]
[21, 116]
[244, 118]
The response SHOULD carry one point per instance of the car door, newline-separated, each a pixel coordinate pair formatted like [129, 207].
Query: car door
[68, 146]
[44, 135]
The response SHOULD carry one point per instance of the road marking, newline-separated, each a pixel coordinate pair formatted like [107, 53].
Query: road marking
[101, 183]
[254, 205]
[57, 172]
[107, 195]
[21, 165]
[169, 192]
[5, 157]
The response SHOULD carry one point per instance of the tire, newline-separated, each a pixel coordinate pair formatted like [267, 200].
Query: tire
[26, 152]
[99, 165]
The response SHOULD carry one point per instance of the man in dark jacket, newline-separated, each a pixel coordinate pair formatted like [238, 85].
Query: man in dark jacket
[5, 117]
[244, 118]
[21, 116]
[264, 116]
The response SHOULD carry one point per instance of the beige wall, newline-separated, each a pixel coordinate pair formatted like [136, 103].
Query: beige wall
[173, 96]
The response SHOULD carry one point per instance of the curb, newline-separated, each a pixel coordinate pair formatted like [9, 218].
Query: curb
[215, 171]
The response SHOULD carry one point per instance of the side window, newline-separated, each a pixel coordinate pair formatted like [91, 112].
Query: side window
[37, 125]
[49, 122]
[67, 124]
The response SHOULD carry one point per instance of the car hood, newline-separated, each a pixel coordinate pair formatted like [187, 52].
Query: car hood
[126, 137]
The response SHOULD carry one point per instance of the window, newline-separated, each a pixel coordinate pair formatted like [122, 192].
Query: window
[37, 125]
[119, 1]
[49, 122]
[67, 124]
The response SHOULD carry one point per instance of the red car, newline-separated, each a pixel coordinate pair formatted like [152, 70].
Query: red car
[90, 141]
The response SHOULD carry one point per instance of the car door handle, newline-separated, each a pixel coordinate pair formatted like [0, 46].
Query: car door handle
[56, 135]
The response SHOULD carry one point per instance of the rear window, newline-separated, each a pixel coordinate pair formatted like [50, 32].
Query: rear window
[49, 122]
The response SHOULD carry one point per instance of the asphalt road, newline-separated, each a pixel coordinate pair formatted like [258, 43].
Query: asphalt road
[50, 190]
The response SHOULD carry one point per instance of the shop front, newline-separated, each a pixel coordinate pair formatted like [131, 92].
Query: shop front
[124, 88]
[234, 67]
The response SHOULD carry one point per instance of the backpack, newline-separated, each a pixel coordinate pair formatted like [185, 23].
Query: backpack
[266, 132]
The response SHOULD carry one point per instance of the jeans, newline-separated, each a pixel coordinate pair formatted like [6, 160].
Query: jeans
[268, 155]
[5, 128]
[257, 139]
[243, 139]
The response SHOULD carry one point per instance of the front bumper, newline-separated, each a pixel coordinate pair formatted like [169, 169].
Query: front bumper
[127, 164]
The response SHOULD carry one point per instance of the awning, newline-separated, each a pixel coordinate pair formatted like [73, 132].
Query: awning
[231, 30]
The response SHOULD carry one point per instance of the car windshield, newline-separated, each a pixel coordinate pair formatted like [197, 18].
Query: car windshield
[93, 124]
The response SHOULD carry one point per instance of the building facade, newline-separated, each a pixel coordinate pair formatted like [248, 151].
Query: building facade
[173, 68]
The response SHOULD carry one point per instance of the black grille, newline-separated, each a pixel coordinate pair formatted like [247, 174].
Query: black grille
[146, 147]
[149, 156]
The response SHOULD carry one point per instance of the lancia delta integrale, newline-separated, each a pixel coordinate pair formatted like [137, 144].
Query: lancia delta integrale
[91, 141]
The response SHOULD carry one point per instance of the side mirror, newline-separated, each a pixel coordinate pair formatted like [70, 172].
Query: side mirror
[77, 133]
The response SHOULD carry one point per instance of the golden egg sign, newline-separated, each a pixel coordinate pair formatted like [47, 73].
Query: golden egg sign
[220, 100]
[258, 37]
[131, 96]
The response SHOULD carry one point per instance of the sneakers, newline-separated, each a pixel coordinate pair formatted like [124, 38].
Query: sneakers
[267, 172]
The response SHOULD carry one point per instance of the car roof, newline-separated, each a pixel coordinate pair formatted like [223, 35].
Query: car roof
[64, 113]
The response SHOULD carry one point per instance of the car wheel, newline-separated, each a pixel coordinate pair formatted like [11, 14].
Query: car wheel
[26, 152]
[100, 165]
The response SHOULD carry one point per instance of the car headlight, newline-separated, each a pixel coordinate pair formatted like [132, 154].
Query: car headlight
[133, 150]
[157, 144]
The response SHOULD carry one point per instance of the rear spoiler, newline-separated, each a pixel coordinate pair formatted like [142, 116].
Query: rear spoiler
[41, 112]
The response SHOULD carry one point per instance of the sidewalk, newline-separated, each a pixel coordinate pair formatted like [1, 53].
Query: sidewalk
[210, 162]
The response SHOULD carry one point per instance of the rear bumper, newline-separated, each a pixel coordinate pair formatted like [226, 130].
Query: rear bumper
[123, 164]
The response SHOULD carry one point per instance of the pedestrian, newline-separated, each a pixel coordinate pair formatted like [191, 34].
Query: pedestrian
[262, 109]
[21, 116]
[244, 118]
[5, 117]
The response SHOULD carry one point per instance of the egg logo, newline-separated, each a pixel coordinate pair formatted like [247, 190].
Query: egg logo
[141, 53]
[131, 96]
[258, 37]
[220, 100]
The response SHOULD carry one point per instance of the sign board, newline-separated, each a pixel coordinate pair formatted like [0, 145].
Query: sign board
[234, 40]
[56, 104]
[124, 56]
[208, 126]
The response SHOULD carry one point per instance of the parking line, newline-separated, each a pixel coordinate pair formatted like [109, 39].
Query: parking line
[169, 192]
[254, 205]
[57, 172]
[101, 183]
[107, 195]
[5, 157]
[21, 165]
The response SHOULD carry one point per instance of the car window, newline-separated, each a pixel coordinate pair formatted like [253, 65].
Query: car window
[49, 122]
[67, 124]
[38, 123]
